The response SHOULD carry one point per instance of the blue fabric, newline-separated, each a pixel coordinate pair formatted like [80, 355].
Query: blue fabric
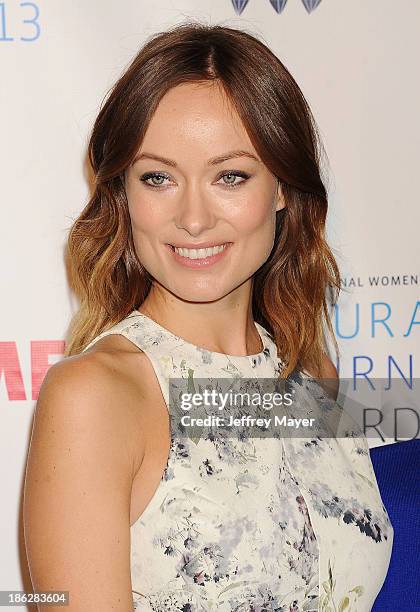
[397, 469]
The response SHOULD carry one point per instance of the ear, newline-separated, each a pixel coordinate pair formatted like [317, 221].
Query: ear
[279, 198]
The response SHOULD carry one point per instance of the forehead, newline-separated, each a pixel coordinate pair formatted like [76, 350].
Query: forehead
[195, 114]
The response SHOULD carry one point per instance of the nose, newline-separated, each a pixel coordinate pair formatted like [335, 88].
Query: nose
[195, 212]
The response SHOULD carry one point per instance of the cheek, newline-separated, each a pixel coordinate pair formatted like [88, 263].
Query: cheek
[145, 217]
[255, 224]
[253, 216]
[144, 228]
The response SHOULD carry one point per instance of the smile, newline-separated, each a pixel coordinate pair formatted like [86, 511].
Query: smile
[200, 253]
[194, 258]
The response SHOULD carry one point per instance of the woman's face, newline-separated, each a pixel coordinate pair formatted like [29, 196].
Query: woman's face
[188, 188]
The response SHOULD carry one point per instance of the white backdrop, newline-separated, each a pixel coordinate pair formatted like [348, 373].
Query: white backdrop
[357, 64]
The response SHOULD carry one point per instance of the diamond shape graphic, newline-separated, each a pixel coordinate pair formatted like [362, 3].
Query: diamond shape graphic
[239, 5]
[278, 5]
[311, 5]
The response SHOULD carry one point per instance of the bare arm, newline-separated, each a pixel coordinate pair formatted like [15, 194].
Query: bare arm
[78, 487]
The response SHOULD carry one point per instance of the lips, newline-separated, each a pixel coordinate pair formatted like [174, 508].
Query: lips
[198, 262]
[202, 245]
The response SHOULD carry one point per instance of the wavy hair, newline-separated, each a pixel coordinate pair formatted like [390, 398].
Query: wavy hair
[293, 288]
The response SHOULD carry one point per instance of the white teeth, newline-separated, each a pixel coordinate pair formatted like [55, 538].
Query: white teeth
[200, 253]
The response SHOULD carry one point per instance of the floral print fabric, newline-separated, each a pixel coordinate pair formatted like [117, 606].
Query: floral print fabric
[257, 525]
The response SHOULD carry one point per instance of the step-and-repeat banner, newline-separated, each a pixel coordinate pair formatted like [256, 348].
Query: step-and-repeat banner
[357, 64]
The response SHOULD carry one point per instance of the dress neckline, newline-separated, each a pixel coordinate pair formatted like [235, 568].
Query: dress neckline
[263, 334]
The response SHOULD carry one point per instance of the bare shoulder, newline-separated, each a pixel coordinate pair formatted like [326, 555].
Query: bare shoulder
[90, 377]
[78, 480]
[124, 363]
[329, 378]
[328, 368]
[331, 381]
[102, 387]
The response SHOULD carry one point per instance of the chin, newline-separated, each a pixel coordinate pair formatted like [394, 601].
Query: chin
[199, 293]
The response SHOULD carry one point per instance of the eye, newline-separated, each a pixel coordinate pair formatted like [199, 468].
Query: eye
[160, 177]
[235, 174]
[153, 175]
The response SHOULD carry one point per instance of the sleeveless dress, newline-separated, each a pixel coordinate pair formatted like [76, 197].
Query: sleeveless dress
[276, 524]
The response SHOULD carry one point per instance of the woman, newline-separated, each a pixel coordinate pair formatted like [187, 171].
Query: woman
[200, 254]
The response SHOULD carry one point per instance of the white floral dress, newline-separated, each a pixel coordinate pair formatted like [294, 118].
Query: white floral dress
[257, 525]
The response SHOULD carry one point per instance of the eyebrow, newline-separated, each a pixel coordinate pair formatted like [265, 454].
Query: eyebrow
[211, 162]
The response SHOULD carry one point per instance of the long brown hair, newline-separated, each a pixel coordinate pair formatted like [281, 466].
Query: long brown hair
[290, 290]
